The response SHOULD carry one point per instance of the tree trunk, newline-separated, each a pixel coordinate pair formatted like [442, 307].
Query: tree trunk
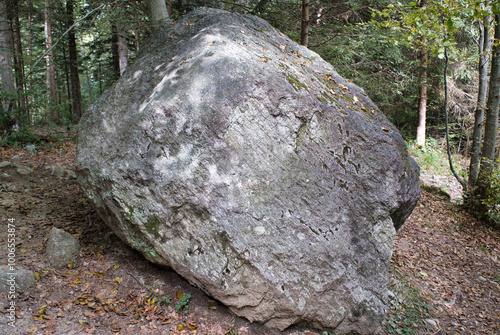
[122, 51]
[422, 99]
[304, 29]
[23, 114]
[7, 120]
[484, 59]
[422, 94]
[491, 125]
[76, 92]
[115, 53]
[157, 11]
[51, 77]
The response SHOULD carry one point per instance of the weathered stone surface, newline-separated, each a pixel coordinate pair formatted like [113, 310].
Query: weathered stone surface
[16, 161]
[244, 162]
[15, 279]
[24, 170]
[62, 248]
[5, 164]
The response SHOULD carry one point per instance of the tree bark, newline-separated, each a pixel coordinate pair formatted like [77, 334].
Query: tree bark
[76, 91]
[422, 94]
[157, 11]
[491, 125]
[122, 51]
[23, 114]
[484, 60]
[7, 120]
[51, 77]
[115, 53]
[422, 99]
[304, 29]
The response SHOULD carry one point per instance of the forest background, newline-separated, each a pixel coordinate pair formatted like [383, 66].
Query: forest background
[431, 66]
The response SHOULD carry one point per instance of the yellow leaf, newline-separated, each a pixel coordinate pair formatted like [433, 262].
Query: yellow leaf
[99, 274]
[71, 265]
[32, 330]
[179, 294]
[82, 322]
[37, 275]
[42, 309]
[117, 266]
[23, 251]
[117, 280]
[180, 327]
[385, 128]
[77, 281]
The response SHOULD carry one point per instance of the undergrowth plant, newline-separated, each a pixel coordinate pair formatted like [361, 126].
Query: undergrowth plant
[407, 309]
[489, 204]
[433, 158]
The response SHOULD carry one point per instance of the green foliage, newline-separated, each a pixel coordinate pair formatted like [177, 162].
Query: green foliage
[183, 303]
[433, 158]
[488, 204]
[407, 310]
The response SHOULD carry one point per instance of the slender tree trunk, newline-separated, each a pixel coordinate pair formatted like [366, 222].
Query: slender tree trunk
[51, 77]
[23, 116]
[304, 29]
[422, 99]
[422, 94]
[484, 60]
[76, 92]
[157, 11]
[115, 53]
[7, 89]
[122, 51]
[491, 125]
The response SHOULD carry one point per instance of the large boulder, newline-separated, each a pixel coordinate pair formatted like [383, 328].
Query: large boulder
[248, 165]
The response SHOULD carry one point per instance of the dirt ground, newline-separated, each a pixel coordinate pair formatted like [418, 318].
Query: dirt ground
[450, 257]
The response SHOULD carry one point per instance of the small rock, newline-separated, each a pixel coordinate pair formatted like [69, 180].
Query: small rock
[431, 323]
[24, 170]
[21, 279]
[16, 161]
[5, 176]
[481, 278]
[56, 171]
[62, 248]
[31, 148]
[71, 174]
[5, 164]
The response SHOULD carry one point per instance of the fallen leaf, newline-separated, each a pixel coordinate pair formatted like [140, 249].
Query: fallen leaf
[32, 330]
[179, 294]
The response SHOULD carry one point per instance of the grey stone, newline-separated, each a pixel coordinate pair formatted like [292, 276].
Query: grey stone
[16, 161]
[62, 248]
[31, 148]
[56, 171]
[12, 279]
[5, 164]
[248, 165]
[24, 170]
[431, 323]
[5, 176]
[70, 173]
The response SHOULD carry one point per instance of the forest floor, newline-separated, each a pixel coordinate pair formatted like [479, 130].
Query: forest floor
[445, 272]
